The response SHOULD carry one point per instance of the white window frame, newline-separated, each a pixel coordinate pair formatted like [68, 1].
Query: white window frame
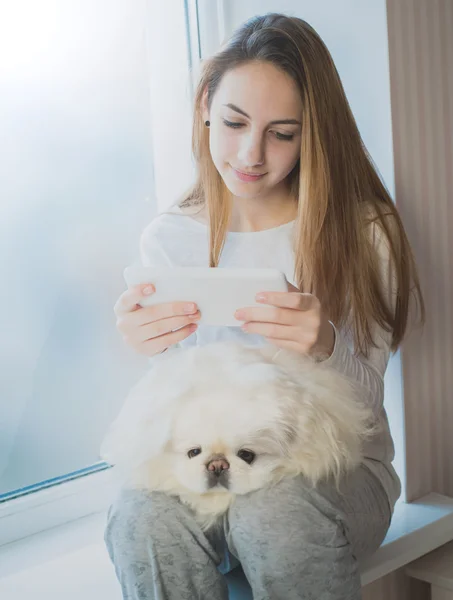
[40, 510]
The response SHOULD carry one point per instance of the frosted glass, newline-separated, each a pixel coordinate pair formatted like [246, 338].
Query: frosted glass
[76, 189]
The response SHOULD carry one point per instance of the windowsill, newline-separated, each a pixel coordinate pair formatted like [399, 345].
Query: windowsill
[70, 561]
[416, 529]
[55, 506]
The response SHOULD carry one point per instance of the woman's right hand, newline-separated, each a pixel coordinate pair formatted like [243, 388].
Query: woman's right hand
[149, 330]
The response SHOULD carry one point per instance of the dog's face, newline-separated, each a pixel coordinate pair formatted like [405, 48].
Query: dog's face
[231, 439]
[223, 418]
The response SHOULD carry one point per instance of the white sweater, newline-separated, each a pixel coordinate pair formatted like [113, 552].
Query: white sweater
[180, 240]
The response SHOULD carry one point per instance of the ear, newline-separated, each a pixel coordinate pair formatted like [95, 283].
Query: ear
[143, 426]
[331, 425]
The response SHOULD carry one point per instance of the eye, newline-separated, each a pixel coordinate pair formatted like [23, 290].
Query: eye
[194, 452]
[247, 455]
[281, 136]
[231, 124]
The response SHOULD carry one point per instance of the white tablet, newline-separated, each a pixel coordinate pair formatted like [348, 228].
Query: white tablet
[218, 292]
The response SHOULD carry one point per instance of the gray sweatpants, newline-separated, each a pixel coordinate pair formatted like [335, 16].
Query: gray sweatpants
[293, 541]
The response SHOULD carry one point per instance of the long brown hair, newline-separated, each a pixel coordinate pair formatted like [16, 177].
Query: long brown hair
[335, 181]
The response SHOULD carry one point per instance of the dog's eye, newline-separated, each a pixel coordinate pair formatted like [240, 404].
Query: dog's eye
[194, 452]
[247, 455]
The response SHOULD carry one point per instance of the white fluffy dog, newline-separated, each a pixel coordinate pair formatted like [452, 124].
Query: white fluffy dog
[210, 422]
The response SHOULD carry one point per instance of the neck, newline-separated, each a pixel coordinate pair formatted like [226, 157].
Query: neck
[257, 214]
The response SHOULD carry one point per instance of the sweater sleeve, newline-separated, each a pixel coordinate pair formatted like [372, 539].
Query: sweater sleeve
[153, 253]
[152, 245]
[370, 371]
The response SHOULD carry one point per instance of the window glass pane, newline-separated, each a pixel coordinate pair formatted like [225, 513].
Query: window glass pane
[76, 188]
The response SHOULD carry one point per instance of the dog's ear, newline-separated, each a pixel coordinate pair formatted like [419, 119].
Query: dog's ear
[330, 426]
[143, 426]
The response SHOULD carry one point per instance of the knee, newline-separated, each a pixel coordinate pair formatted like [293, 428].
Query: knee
[287, 520]
[136, 520]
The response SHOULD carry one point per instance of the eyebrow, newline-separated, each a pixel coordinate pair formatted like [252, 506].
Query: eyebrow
[279, 122]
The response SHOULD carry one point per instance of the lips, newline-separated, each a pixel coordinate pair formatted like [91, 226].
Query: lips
[247, 176]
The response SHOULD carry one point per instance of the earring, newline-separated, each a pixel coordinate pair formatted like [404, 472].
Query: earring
[207, 123]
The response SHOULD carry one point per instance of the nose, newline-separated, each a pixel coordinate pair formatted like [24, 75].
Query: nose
[251, 153]
[218, 465]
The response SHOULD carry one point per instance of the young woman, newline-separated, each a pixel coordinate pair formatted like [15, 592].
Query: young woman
[284, 181]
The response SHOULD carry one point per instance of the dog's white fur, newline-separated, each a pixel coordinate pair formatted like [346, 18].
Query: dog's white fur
[297, 416]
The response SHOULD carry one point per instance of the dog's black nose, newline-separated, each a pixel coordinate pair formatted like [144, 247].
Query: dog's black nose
[218, 466]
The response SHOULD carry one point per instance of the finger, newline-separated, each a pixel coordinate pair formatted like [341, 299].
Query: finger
[157, 345]
[165, 326]
[266, 314]
[271, 330]
[294, 300]
[167, 310]
[130, 299]
[305, 340]
[138, 326]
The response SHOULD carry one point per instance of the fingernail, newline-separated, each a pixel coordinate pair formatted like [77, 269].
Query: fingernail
[188, 308]
[260, 297]
[239, 314]
[148, 290]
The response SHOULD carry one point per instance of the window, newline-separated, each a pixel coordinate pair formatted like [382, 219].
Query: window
[89, 91]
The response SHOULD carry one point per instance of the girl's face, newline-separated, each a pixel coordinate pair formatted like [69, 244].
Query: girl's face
[255, 117]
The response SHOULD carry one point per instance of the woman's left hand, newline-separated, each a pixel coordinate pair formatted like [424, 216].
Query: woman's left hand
[294, 321]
